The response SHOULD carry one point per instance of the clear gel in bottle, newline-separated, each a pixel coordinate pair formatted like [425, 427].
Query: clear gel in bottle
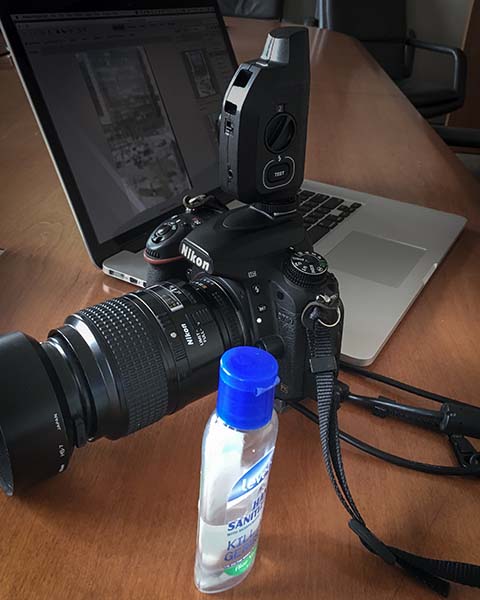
[237, 452]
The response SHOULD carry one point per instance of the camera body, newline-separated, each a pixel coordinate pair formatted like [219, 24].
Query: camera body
[269, 267]
[270, 270]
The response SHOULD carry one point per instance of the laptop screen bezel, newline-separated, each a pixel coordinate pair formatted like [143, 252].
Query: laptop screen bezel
[133, 239]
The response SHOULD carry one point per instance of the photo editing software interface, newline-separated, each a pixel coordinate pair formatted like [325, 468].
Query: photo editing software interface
[134, 97]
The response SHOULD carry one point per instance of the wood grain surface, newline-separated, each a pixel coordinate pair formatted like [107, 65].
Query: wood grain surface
[121, 522]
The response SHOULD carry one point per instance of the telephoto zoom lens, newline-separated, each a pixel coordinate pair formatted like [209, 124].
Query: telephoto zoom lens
[111, 370]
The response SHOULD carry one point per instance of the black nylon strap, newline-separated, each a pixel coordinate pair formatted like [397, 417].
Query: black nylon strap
[431, 572]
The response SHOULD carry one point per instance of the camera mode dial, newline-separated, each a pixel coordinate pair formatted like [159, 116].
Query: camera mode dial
[306, 269]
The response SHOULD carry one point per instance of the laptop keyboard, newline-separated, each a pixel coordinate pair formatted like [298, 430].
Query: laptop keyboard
[322, 213]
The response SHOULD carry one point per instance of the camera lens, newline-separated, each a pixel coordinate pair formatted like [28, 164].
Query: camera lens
[111, 370]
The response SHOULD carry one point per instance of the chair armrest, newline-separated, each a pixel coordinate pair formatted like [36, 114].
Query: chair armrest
[461, 137]
[459, 59]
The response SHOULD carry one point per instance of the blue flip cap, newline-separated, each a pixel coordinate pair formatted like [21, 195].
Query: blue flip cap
[246, 390]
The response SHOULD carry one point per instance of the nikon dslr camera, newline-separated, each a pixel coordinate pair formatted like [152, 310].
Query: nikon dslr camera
[121, 365]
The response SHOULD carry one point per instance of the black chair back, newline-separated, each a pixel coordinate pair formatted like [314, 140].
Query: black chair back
[254, 9]
[380, 24]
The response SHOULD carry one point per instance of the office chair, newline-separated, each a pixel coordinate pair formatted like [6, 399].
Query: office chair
[381, 25]
[254, 9]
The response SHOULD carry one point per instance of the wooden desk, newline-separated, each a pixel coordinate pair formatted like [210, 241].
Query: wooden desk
[120, 523]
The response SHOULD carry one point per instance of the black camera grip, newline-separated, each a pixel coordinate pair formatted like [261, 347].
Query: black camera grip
[292, 365]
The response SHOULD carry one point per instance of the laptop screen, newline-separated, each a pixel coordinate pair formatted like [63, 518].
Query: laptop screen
[134, 97]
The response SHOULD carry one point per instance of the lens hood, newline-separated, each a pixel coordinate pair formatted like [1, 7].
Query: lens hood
[34, 443]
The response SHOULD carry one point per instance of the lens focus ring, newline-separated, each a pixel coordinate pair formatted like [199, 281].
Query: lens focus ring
[139, 365]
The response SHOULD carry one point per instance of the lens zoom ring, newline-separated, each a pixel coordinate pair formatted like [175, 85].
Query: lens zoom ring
[125, 331]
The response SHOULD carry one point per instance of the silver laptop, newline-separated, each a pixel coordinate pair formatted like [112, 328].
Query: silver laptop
[128, 100]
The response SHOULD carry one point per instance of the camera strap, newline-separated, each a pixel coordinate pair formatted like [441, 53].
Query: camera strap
[436, 574]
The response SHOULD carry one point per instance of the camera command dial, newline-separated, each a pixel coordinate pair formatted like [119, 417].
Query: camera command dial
[306, 269]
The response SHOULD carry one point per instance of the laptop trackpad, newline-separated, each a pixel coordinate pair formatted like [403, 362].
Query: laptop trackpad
[374, 258]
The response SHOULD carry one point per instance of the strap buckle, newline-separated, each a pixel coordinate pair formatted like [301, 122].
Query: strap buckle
[323, 364]
[466, 453]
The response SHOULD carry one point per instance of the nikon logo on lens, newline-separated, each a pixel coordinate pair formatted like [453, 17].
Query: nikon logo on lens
[191, 255]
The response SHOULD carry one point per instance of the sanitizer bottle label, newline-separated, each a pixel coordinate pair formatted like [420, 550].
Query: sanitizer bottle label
[242, 532]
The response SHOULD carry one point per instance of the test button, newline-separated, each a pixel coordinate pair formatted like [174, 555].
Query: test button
[279, 172]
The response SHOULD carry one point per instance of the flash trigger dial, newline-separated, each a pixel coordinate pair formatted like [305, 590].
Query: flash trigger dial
[279, 132]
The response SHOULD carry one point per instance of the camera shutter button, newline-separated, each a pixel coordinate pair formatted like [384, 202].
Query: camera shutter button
[164, 232]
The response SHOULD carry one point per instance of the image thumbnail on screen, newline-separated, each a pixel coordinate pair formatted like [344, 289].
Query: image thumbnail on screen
[135, 123]
[200, 73]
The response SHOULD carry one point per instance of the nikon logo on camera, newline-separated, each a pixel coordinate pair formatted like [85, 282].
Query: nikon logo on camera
[193, 256]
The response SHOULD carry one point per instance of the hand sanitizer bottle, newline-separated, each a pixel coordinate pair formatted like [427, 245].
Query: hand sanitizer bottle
[237, 453]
